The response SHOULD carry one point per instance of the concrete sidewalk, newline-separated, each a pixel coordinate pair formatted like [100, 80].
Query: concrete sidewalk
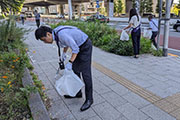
[125, 88]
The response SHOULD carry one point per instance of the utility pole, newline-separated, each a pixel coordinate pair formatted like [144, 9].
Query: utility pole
[70, 9]
[166, 28]
[159, 25]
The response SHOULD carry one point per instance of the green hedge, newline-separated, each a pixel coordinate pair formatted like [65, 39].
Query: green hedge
[1, 17]
[107, 38]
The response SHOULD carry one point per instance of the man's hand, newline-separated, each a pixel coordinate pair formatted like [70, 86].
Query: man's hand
[63, 56]
[68, 66]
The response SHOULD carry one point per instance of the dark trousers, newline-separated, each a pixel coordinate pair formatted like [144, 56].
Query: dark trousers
[38, 23]
[136, 36]
[22, 20]
[153, 38]
[82, 65]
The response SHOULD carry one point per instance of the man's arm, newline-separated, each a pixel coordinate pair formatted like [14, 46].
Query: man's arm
[65, 49]
[73, 57]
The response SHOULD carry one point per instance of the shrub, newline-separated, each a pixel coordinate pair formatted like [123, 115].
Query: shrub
[158, 53]
[11, 36]
[107, 38]
[13, 60]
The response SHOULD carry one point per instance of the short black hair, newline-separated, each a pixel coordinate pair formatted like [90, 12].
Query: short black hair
[150, 17]
[42, 31]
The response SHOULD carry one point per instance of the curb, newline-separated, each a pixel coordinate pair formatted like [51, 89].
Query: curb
[38, 110]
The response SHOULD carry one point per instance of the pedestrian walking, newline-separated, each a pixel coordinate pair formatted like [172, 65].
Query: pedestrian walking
[37, 18]
[153, 25]
[135, 23]
[22, 17]
[80, 61]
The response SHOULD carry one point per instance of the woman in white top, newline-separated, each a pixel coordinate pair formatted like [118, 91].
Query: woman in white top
[135, 23]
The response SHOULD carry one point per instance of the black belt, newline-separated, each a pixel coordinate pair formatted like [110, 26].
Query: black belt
[84, 43]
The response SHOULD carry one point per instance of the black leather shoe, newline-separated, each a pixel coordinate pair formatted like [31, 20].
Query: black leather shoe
[77, 96]
[87, 104]
[136, 56]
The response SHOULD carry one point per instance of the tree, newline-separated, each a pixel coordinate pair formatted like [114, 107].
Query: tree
[163, 7]
[133, 4]
[11, 5]
[149, 8]
[118, 7]
[178, 6]
[142, 6]
[146, 6]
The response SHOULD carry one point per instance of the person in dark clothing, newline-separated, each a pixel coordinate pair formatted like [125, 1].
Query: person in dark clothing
[135, 23]
[80, 61]
[153, 25]
[22, 17]
[37, 18]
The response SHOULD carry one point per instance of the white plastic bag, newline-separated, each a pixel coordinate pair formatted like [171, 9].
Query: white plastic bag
[147, 33]
[153, 47]
[69, 84]
[124, 36]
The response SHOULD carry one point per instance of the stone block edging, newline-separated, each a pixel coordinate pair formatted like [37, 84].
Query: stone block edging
[38, 110]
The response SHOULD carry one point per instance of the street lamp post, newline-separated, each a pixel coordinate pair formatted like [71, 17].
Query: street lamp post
[159, 25]
[166, 28]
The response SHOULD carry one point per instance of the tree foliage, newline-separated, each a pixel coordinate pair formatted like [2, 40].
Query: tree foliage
[178, 6]
[11, 5]
[133, 4]
[118, 6]
[163, 7]
[146, 6]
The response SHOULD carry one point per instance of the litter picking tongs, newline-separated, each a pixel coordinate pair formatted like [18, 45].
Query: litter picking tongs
[61, 67]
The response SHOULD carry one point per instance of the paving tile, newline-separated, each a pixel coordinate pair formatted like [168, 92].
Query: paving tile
[136, 100]
[53, 95]
[166, 106]
[114, 99]
[176, 113]
[96, 73]
[122, 118]
[69, 117]
[119, 89]
[159, 84]
[141, 82]
[159, 92]
[75, 110]
[106, 111]
[94, 118]
[107, 80]
[173, 84]
[158, 77]
[58, 110]
[97, 98]
[45, 81]
[78, 101]
[156, 113]
[131, 112]
[149, 119]
[101, 88]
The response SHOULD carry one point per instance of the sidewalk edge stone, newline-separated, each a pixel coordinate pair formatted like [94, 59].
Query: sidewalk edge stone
[38, 110]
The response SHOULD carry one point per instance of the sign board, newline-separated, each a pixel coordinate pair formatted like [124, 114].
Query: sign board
[97, 6]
